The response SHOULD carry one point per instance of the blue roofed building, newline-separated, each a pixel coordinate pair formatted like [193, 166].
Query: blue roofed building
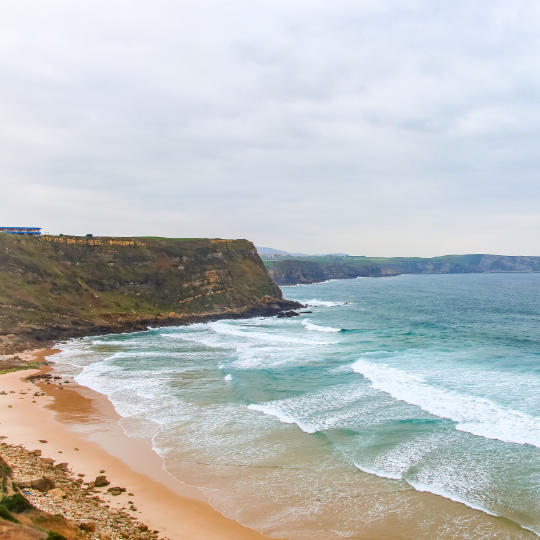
[28, 231]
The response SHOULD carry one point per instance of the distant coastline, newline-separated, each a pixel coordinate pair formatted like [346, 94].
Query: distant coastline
[306, 269]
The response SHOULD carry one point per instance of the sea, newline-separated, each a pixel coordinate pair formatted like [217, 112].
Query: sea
[399, 407]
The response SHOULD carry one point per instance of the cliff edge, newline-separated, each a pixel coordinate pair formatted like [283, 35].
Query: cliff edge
[56, 287]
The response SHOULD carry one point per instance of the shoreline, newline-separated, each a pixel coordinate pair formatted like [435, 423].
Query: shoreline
[81, 427]
[47, 337]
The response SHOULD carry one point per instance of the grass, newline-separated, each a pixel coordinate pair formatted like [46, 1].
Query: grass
[25, 365]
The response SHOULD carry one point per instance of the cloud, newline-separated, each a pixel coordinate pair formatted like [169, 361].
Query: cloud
[388, 127]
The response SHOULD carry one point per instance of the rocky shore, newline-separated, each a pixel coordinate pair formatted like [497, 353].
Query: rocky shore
[28, 338]
[49, 501]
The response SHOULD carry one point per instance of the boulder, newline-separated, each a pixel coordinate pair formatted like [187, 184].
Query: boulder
[116, 490]
[101, 481]
[56, 493]
[286, 314]
[43, 484]
[88, 526]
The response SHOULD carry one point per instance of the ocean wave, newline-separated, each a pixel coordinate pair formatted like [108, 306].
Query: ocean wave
[317, 411]
[315, 302]
[228, 330]
[476, 415]
[308, 325]
[281, 415]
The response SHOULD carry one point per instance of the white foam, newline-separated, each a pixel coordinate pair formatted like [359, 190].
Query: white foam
[377, 472]
[273, 410]
[308, 325]
[317, 411]
[146, 354]
[323, 303]
[473, 414]
[226, 329]
[228, 377]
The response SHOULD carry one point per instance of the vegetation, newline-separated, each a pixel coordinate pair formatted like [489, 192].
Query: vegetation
[55, 287]
[55, 536]
[16, 503]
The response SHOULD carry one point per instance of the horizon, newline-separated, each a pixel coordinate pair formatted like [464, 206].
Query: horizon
[385, 127]
[291, 253]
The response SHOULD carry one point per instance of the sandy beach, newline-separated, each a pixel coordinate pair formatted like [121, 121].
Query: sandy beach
[72, 424]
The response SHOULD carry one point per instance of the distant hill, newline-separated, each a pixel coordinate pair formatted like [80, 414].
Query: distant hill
[270, 252]
[276, 253]
[313, 269]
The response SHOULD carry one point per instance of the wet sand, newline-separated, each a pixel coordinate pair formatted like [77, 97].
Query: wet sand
[81, 428]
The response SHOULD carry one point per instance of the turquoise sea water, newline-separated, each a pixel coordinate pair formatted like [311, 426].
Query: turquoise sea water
[426, 383]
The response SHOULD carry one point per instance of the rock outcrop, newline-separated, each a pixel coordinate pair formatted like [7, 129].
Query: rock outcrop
[56, 287]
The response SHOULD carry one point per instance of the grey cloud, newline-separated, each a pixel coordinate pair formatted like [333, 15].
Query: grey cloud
[383, 127]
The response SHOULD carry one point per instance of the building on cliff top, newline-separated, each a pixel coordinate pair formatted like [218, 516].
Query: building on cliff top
[28, 231]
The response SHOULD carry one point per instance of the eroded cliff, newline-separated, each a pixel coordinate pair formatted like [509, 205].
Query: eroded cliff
[56, 287]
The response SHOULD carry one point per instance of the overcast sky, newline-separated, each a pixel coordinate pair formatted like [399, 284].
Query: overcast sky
[367, 127]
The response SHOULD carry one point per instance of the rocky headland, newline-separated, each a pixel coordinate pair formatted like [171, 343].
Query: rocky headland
[58, 287]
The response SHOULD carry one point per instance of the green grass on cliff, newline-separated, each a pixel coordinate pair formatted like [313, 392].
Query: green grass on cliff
[74, 280]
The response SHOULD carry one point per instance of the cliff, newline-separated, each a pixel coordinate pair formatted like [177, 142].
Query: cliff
[55, 287]
[313, 269]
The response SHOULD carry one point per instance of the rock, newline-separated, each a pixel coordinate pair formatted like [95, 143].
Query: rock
[88, 526]
[56, 493]
[101, 481]
[287, 314]
[62, 466]
[43, 484]
[115, 491]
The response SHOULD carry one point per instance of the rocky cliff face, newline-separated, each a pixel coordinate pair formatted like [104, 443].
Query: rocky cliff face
[58, 287]
[316, 269]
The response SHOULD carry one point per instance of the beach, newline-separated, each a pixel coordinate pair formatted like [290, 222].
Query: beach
[79, 427]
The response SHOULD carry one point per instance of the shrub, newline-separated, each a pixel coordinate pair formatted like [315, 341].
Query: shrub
[16, 503]
[55, 536]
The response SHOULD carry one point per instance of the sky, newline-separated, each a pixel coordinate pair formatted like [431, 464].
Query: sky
[382, 127]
